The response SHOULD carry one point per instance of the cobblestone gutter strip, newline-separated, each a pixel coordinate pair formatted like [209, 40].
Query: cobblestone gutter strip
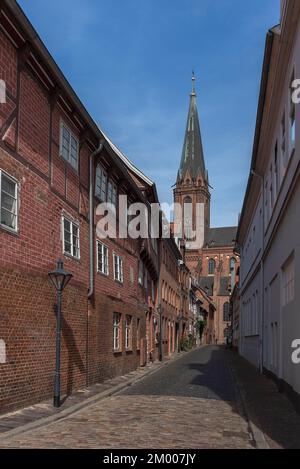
[42, 421]
[258, 436]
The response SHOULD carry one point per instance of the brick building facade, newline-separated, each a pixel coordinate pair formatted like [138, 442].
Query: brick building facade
[56, 166]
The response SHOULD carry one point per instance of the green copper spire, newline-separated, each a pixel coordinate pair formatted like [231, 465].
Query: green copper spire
[192, 159]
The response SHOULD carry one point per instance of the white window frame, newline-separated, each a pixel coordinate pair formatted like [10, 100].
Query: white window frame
[118, 272]
[101, 183]
[288, 281]
[117, 318]
[15, 197]
[105, 258]
[73, 224]
[69, 158]
[128, 332]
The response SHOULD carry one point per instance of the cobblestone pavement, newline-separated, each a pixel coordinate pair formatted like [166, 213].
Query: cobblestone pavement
[190, 403]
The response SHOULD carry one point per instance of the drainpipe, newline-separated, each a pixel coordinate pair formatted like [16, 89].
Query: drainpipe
[91, 219]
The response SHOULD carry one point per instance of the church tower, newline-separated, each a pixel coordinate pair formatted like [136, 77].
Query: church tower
[192, 187]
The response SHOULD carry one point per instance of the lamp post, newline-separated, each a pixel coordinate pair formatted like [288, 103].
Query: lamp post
[60, 279]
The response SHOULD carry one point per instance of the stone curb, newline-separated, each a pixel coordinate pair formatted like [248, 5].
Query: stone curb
[43, 421]
[257, 435]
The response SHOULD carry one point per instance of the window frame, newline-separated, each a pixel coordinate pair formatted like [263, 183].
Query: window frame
[103, 247]
[128, 332]
[72, 223]
[65, 126]
[288, 280]
[99, 193]
[16, 197]
[114, 193]
[117, 337]
[120, 277]
[226, 310]
[138, 333]
[209, 265]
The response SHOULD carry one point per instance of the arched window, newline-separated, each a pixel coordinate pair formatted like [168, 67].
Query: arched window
[188, 217]
[226, 312]
[232, 265]
[211, 266]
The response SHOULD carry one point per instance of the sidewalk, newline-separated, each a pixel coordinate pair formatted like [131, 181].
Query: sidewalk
[269, 411]
[43, 413]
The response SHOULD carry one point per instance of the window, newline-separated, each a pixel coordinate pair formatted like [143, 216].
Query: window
[152, 291]
[211, 267]
[288, 279]
[102, 258]
[117, 331]
[128, 332]
[141, 273]
[112, 193]
[8, 202]
[101, 183]
[226, 312]
[138, 333]
[188, 214]
[118, 268]
[131, 274]
[69, 146]
[71, 238]
[292, 116]
[232, 264]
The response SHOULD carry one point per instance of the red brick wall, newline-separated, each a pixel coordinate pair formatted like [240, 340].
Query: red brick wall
[50, 187]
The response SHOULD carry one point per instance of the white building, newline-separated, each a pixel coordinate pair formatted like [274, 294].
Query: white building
[269, 229]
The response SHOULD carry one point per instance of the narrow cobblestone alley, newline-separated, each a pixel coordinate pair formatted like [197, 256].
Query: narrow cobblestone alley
[192, 402]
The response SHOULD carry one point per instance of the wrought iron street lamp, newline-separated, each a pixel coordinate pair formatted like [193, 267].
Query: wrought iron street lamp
[60, 279]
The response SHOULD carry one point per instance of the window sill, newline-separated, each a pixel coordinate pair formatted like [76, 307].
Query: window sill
[103, 274]
[119, 282]
[117, 352]
[129, 351]
[69, 164]
[9, 230]
[69, 256]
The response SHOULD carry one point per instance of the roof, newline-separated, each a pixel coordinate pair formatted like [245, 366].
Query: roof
[207, 284]
[224, 236]
[192, 159]
[259, 117]
[126, 160]
[224, 284]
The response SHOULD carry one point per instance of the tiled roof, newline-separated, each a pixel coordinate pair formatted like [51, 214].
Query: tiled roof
[221, 236]
[207, 284]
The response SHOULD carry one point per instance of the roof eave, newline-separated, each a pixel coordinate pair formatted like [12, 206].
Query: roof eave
[259, 118]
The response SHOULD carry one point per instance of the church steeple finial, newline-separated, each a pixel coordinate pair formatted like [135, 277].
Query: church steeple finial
[193, 93]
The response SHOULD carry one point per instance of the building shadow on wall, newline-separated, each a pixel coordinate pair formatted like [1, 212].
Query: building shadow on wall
[74, 359]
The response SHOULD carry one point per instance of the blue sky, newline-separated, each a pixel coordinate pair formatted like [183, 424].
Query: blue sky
[130, 62]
